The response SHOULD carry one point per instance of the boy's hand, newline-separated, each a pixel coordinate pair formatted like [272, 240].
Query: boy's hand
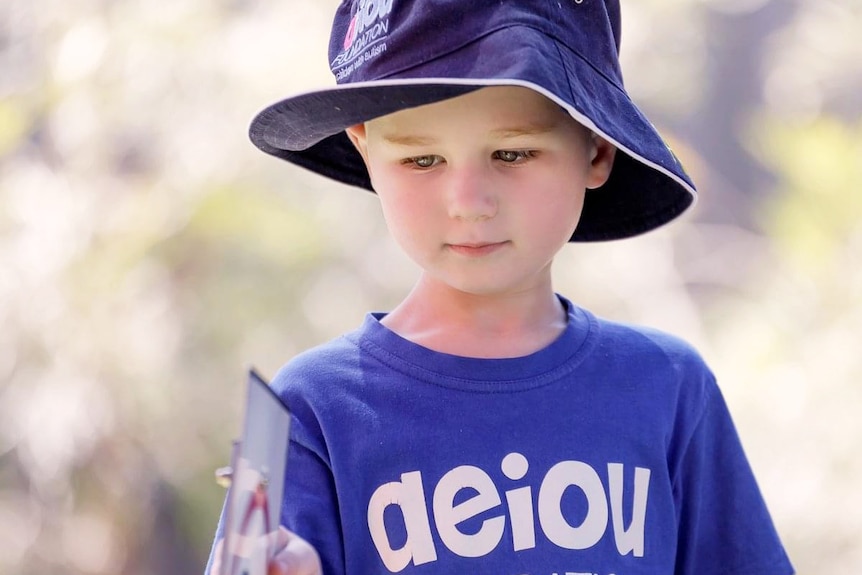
[293, 555]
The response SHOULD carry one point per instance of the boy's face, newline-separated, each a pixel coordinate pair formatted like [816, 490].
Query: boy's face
[482, 190]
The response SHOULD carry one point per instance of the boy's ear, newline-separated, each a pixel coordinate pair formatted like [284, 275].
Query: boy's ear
[360, 141]
[602, 154]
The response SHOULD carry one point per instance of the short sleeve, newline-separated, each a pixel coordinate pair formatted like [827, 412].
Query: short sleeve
[310, 506]
[724, 525]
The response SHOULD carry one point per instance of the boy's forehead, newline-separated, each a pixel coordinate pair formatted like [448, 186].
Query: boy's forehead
[505, 108]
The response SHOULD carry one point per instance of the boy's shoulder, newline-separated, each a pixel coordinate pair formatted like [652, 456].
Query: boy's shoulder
[653, 360]
[329, 361]
[324, 359]
[638, 340]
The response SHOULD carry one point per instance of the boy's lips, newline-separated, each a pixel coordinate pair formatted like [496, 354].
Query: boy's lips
[476, 248]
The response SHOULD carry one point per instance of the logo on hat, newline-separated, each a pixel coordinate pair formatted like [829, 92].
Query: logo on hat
[369, 26]
[351, 32]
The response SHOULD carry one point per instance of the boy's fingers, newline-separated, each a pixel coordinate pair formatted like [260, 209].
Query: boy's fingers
[275, 541]
[295, 556]
[279, 538]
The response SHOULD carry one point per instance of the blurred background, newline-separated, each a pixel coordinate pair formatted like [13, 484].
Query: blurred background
[149, 255]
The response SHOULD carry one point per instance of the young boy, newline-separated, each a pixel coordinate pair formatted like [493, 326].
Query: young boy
[487, 424]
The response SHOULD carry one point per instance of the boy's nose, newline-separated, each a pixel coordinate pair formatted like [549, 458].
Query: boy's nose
[470, 195]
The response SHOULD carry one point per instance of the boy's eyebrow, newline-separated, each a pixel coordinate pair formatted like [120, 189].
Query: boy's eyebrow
[525, 130]
[508, 132]
[408, 140]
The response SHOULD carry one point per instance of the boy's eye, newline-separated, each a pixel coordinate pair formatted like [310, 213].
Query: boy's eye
[423, 161]
[512, 156]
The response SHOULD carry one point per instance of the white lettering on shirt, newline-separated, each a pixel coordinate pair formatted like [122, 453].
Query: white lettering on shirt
[408, 495]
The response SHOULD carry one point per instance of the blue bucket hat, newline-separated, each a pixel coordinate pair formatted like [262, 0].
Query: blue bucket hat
[389, 55]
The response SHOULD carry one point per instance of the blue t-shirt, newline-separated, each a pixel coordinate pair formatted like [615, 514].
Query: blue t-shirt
[610, 452]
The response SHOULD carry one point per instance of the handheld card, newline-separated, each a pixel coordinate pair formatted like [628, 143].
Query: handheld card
[258, 464]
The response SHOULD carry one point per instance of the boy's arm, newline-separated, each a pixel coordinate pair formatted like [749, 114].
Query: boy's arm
[724, 526]
[310, 506]
[309, 509]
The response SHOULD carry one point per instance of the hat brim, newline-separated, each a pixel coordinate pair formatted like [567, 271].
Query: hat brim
[647, 186]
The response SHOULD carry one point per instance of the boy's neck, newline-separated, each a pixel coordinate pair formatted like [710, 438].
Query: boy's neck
[443, 319]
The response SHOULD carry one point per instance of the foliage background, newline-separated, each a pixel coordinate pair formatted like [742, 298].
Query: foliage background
[149, 254]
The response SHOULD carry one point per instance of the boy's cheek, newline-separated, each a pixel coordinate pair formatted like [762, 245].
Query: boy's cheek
[397, 177]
